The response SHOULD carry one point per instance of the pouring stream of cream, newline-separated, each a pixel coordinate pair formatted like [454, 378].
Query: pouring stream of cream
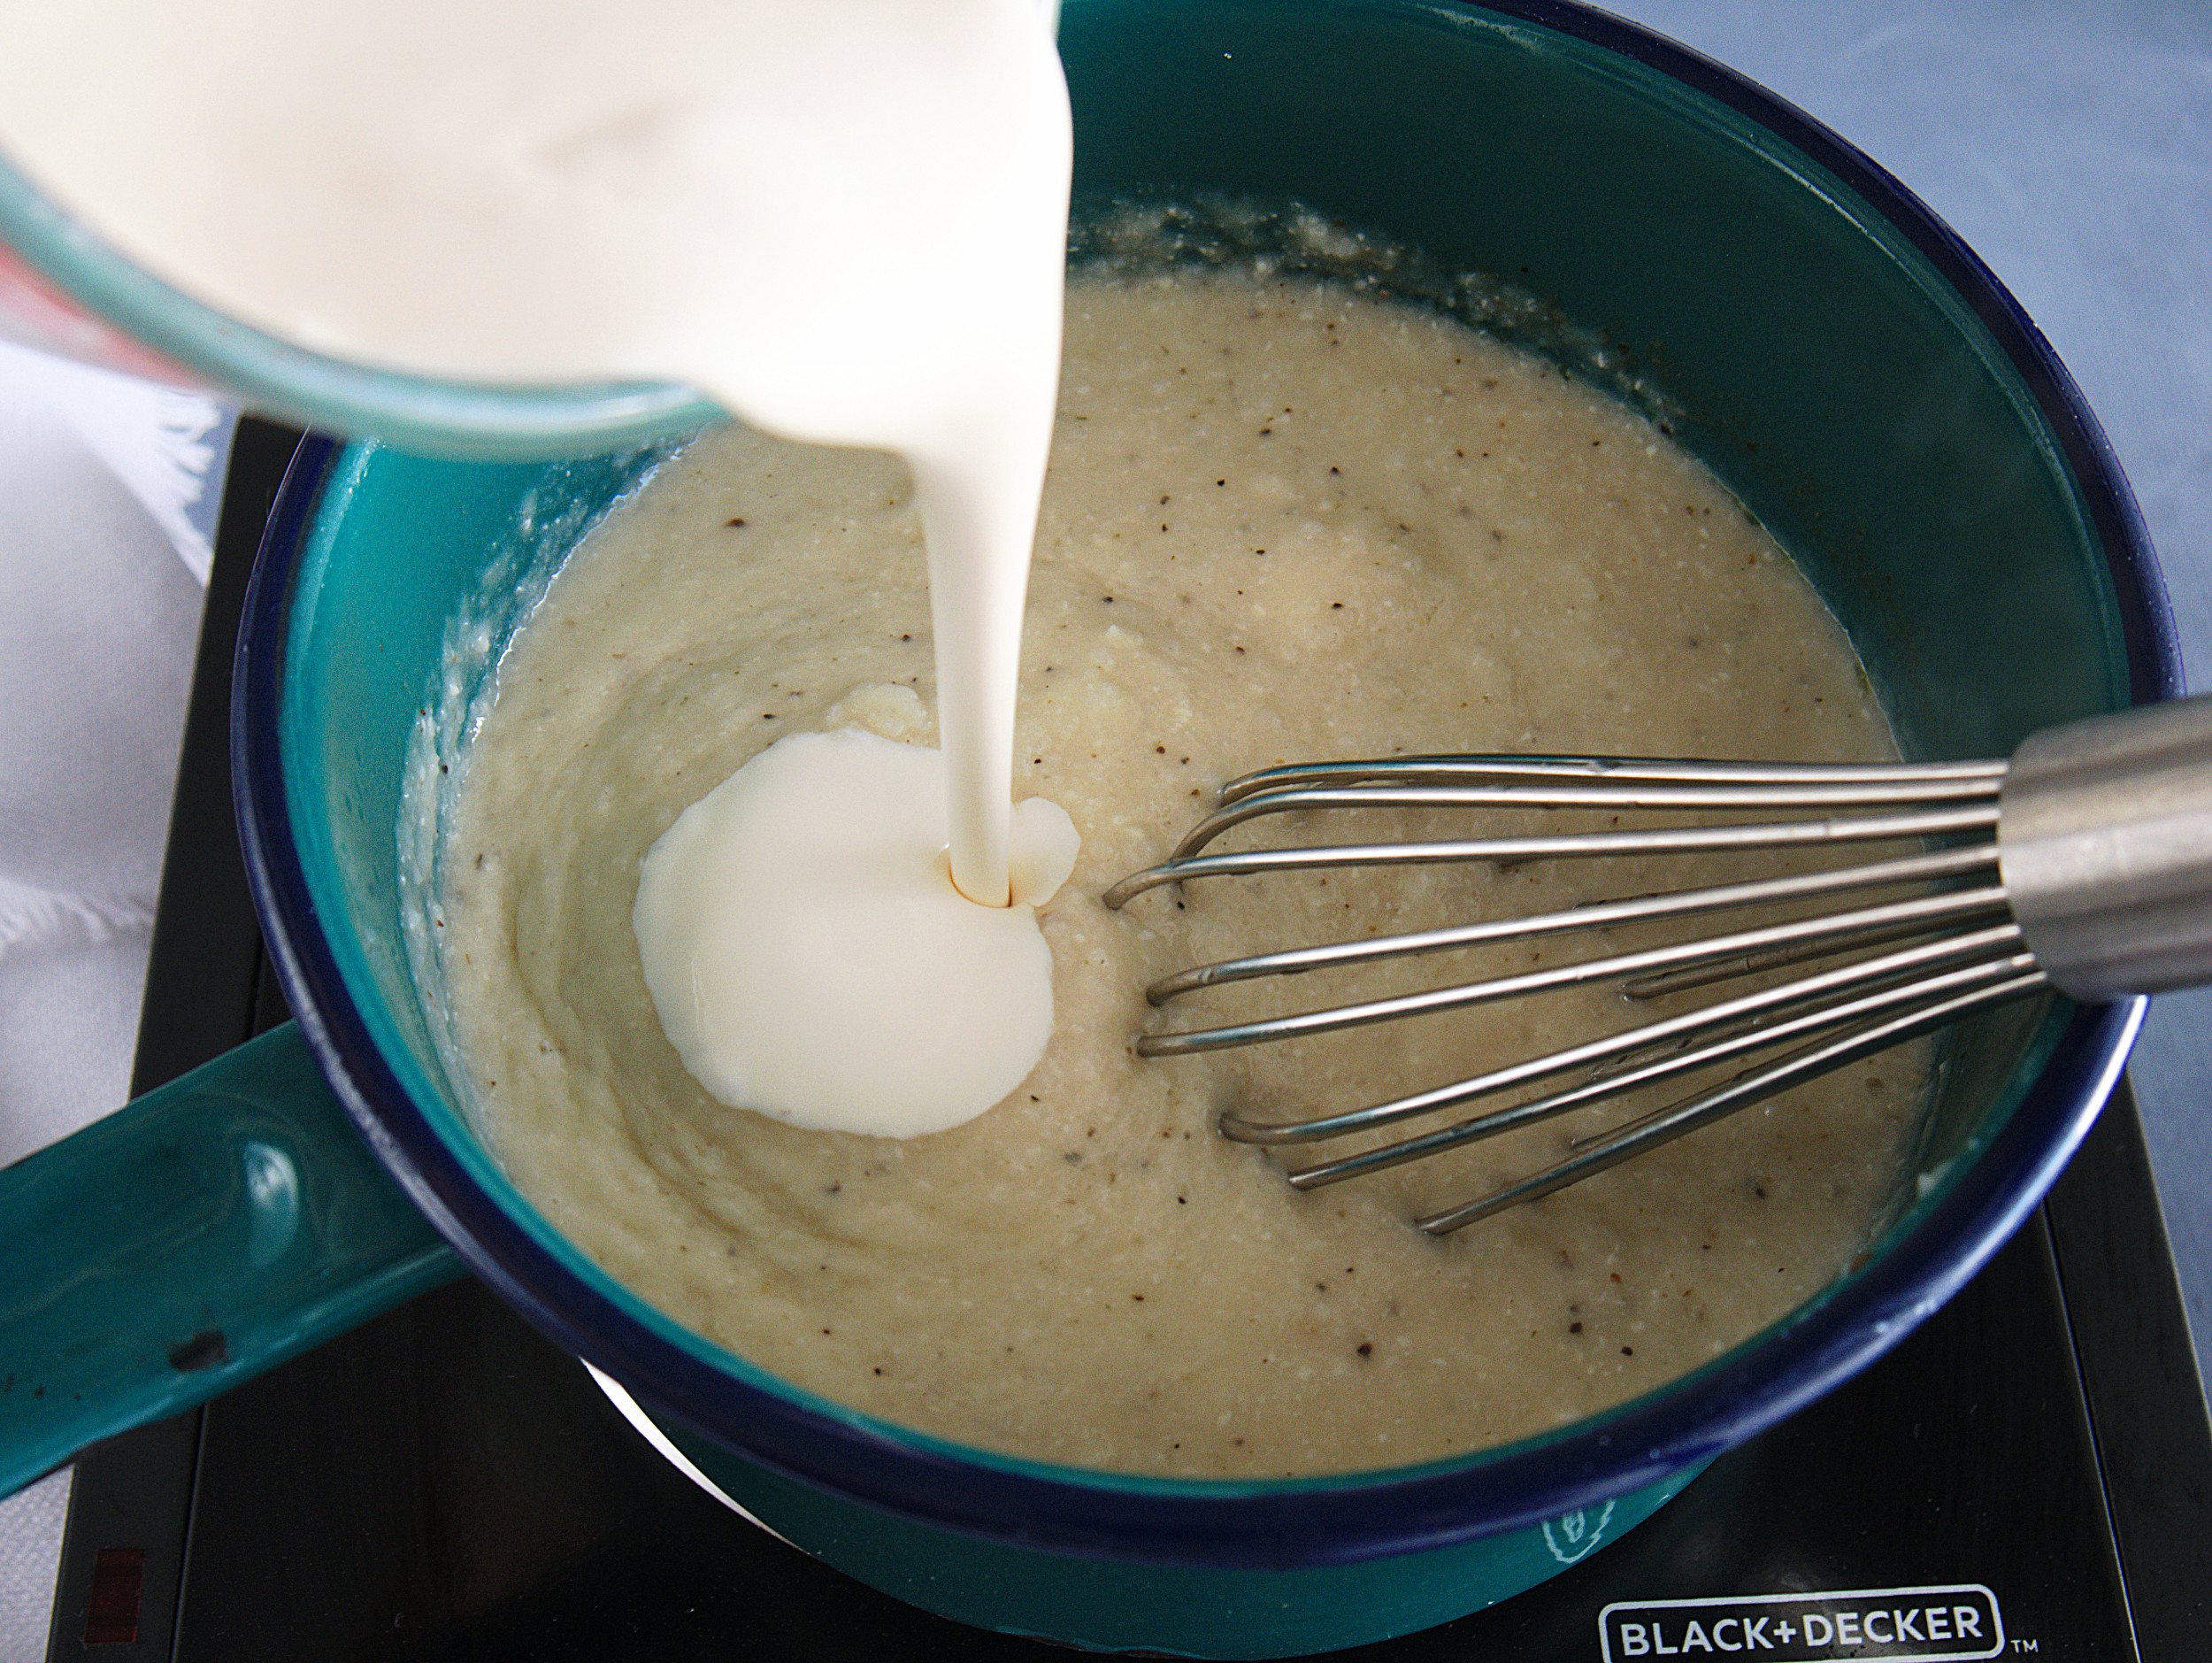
[844, 220]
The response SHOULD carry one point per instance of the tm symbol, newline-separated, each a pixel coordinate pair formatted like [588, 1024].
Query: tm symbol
[2023, 1645]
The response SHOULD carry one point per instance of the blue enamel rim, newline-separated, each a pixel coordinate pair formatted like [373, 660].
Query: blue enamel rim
[1280, 1523]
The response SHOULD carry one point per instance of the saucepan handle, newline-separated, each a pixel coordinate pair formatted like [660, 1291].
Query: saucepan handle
[205, 1232]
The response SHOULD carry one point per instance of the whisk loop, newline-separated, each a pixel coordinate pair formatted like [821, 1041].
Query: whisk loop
[2083, 863]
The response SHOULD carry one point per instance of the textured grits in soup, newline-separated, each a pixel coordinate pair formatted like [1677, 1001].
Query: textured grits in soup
[1284, 520]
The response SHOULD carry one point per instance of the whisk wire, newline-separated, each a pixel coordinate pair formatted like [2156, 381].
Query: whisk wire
[1942, 864]
[1187, 864]
[1855, 1001]
[1619, 1061]
[1923, 911]
[1756, 1085]
[1903, 780]
[2081, 865]
[1947, 813]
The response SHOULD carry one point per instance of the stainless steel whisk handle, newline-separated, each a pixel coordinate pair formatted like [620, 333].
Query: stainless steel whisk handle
[2104, 839]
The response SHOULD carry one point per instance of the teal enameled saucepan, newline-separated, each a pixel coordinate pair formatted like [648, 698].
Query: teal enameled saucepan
[1797, 320]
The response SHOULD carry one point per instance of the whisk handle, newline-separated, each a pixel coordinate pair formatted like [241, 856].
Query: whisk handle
[2104, 845]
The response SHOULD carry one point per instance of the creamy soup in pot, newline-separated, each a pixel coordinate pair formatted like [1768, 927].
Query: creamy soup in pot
[1283, 521]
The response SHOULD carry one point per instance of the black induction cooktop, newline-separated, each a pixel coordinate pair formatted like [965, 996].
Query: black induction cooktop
[2028, 1474]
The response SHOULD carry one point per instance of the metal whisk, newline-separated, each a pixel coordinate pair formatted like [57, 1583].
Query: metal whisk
[2083, 864]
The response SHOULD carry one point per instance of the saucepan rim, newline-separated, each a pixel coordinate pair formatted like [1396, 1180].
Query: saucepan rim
[1279, 1522]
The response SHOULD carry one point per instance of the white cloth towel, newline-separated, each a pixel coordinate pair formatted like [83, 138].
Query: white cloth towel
[107, 494]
